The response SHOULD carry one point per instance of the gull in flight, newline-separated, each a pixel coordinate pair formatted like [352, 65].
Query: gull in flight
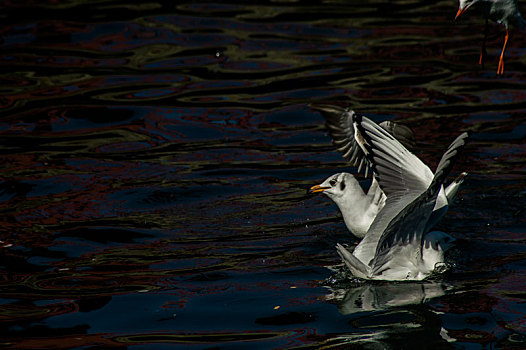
[501, 11]
[397, 245]
[357, 207]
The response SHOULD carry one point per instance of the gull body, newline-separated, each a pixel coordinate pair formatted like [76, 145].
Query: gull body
[505, 12]
[358, 208]
[397, 245]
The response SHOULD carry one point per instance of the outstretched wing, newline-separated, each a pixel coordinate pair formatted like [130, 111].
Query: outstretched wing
[400, 174]
[398, 171]
[400, 132]
[408, 226]
[339, 123]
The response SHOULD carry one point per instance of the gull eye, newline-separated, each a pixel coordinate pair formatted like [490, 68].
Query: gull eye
[332, 182]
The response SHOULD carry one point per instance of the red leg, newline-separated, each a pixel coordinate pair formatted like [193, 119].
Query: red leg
[500, 70]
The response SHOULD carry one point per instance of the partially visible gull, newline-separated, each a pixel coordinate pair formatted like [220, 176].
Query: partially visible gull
[396, 246]
[501, 11]
[358, 208]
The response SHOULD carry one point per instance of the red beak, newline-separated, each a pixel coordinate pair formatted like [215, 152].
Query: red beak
[460, 11]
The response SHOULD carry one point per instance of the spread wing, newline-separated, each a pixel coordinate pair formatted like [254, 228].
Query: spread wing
[339, 123]
[398, 171]
[408, 226]
[400, 174]
[405, 179]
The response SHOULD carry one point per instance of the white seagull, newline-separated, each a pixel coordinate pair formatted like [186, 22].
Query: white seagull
[396, 246]
[501, 11]
[357, 207]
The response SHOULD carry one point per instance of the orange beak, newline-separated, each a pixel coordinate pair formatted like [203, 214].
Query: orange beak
[460, 11]
[317, 188]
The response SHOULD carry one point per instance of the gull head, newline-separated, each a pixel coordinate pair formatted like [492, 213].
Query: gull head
[463, 5]
[334, 186]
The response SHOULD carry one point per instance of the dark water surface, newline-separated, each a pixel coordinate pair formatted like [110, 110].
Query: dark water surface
[156, 155]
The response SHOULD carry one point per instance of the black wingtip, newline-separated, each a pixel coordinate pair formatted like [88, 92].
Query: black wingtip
[363, 140]
[448, 160]
[357, 119]
[360, 134]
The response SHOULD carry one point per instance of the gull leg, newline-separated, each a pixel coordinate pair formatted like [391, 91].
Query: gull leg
[483, 48]
[500, 70]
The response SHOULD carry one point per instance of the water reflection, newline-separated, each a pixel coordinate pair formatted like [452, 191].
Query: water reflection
[374, 297]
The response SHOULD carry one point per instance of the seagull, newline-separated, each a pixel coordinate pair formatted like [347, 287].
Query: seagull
[357, 207]
[501, 11]
[397, 246]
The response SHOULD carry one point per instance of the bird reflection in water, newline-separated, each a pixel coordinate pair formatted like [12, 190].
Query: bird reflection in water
[382, 296]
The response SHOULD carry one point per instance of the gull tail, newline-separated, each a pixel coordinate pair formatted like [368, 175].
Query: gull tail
[358, 268]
